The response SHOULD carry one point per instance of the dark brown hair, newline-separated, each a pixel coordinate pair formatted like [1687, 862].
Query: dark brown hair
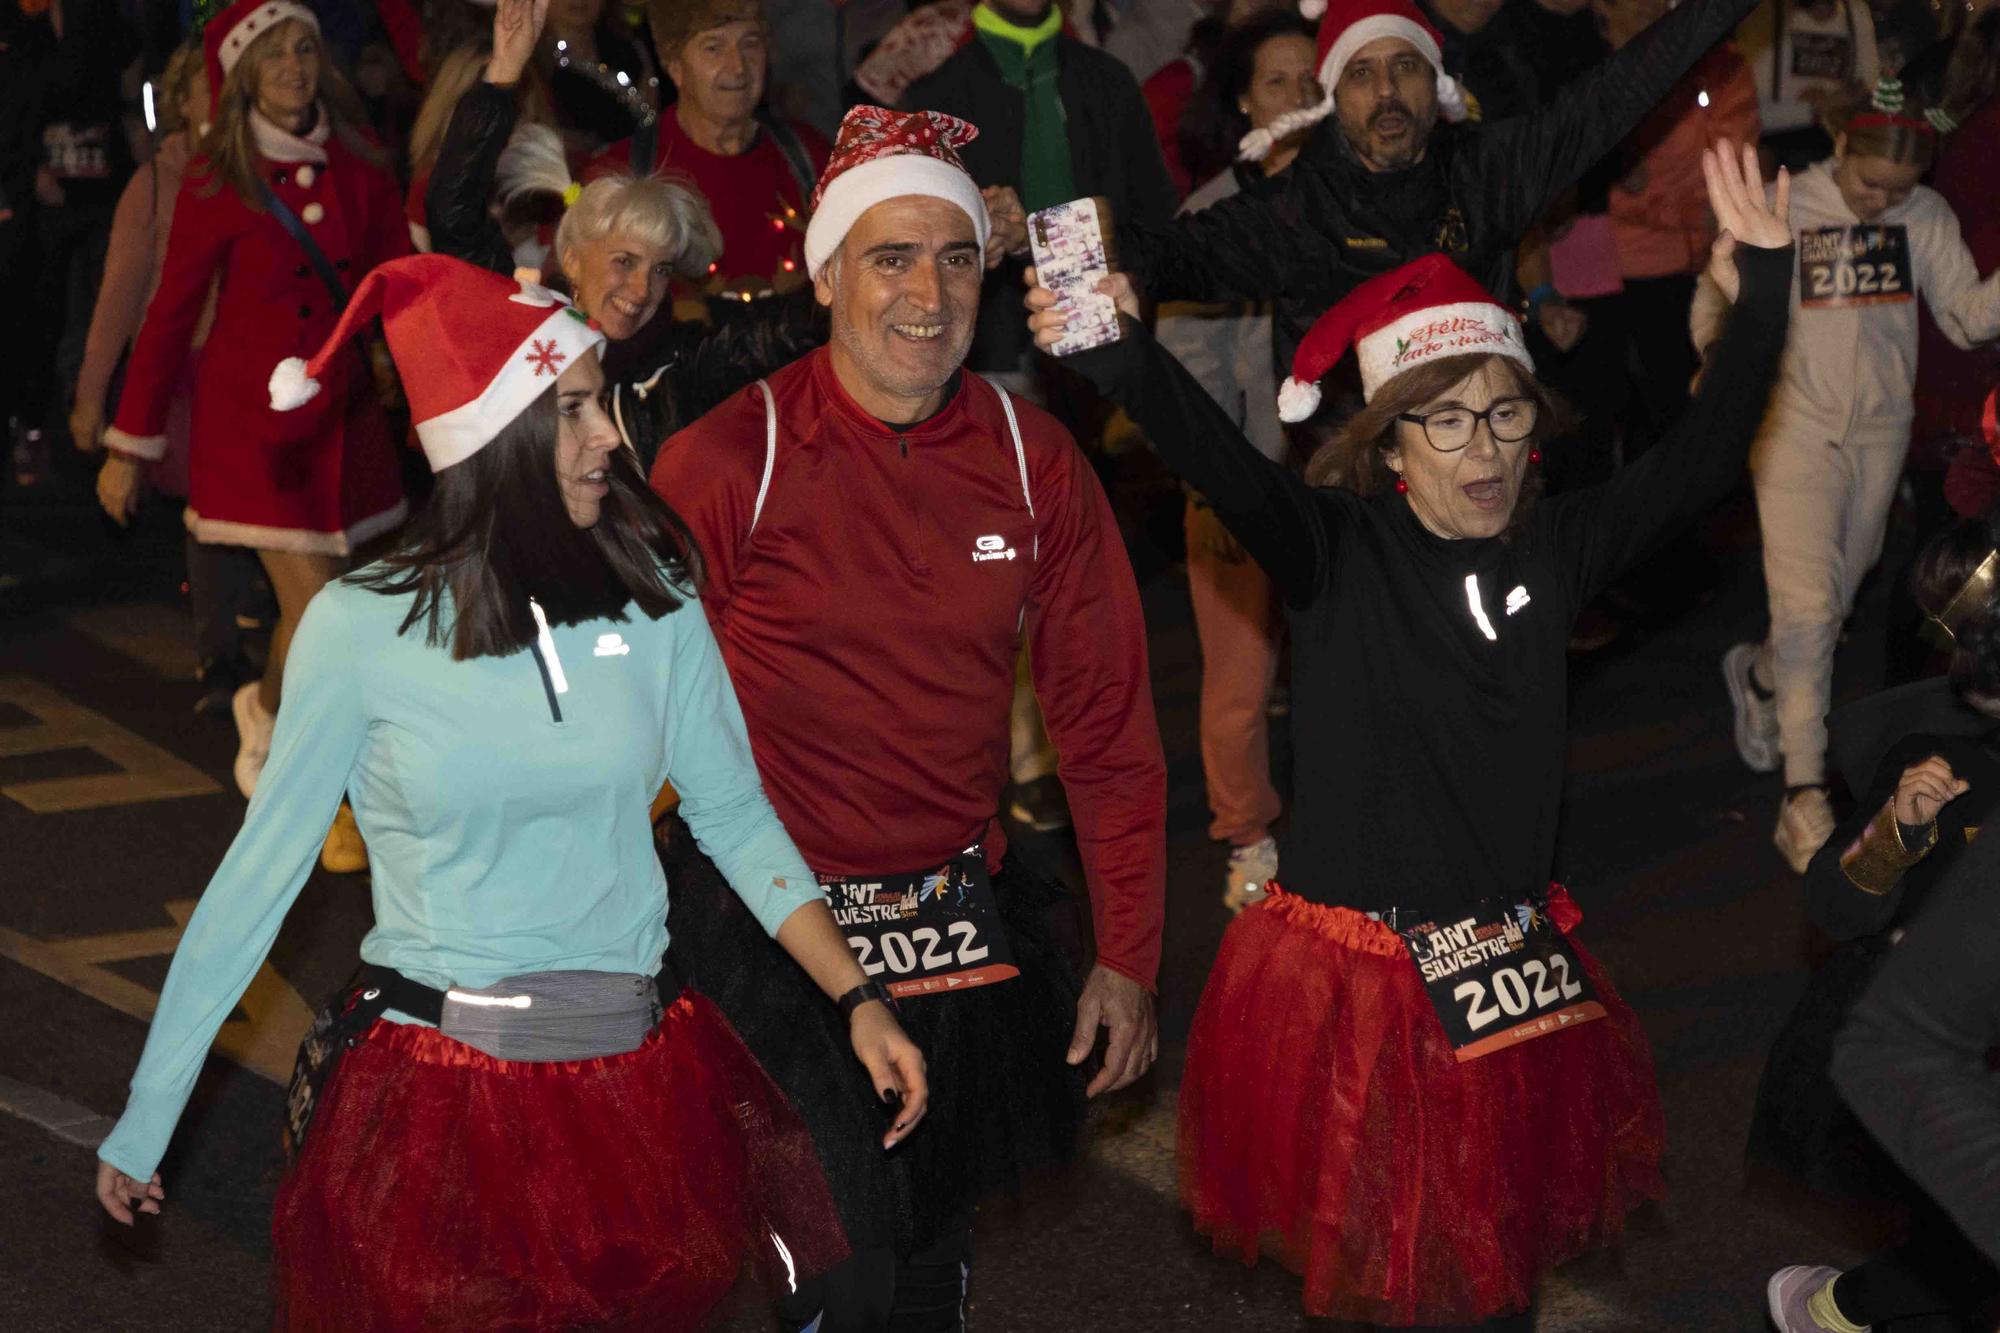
[496, 533]
[1357, 456]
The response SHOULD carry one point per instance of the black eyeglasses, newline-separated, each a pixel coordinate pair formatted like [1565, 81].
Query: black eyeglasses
[1450, 429]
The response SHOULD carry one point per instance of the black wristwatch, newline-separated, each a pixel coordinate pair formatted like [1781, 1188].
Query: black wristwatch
[862, 994]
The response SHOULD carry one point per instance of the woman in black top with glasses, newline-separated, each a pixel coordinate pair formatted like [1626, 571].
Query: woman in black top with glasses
[1405, 1080]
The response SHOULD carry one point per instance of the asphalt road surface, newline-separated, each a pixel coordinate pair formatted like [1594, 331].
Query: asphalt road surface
[116, 804]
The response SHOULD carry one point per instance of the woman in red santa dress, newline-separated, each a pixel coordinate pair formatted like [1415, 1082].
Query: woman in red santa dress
[288, 206]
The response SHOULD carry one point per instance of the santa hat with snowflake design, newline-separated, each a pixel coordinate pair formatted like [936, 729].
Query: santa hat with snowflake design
[226, 34]
[1345, 26]
[474, 348]
[1427, 309]
[882, 154]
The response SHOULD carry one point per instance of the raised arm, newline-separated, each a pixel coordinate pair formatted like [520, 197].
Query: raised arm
[1281, 521]
[1519, 167]
[320, 731]
[1599, 532]
[457, 202]
[1226, 251]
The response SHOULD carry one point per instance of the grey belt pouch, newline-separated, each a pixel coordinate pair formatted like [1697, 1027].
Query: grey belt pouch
[554, 1015]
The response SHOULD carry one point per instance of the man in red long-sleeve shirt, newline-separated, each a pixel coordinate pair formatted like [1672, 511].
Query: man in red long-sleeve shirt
[880, 529]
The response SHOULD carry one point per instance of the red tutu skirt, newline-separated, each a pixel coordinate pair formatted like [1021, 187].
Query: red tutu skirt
[443, 1189]
[1326, 1119]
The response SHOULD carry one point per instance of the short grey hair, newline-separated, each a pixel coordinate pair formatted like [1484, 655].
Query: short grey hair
[670, 214]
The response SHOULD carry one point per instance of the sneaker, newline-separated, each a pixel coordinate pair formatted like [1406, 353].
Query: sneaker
[344, 853]
[253, 737]
[1039, 804]
[1251, 868]
[1805, 822]
[1790, 1289]
[1756, 715]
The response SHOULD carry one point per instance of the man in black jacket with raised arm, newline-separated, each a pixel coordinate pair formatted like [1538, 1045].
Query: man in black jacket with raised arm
[1387, 183]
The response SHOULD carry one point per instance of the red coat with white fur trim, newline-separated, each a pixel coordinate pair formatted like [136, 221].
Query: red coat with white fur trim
[317, 480]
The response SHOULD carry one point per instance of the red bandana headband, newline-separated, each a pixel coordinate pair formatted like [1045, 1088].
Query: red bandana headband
[1890, 120]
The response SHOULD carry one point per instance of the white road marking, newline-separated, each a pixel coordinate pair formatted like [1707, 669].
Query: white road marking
[64, 1119]
[265, 1042]
[145, 771]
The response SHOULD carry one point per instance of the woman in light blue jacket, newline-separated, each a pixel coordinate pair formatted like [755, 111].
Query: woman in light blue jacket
[522, 1129]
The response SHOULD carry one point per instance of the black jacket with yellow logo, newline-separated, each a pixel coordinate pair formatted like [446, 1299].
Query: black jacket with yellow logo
[1476, 191]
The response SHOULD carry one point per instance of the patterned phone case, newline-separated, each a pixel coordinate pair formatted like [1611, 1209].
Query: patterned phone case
[1068, 245]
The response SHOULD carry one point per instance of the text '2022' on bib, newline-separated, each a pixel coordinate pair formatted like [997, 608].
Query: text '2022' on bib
[925, 933]
[1500, 975]
[1859, 265]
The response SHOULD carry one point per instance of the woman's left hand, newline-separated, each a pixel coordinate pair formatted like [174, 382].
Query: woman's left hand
[895, 1066]
[1047, 320]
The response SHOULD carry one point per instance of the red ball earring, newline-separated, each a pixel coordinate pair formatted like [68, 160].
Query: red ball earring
[1402, 487]
[1534, 455]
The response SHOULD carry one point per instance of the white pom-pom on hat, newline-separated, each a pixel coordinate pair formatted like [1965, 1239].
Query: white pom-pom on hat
[291, 387]
[1312, 10]
[1297, 400]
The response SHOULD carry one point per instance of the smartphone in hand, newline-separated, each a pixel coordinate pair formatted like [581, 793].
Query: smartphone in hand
[1067, 241]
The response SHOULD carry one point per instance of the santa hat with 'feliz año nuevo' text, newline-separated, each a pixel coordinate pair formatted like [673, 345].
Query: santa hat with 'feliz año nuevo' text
[882, 154]
[1345, 26]
[1427, 309]
[228, 34]
[474, 348]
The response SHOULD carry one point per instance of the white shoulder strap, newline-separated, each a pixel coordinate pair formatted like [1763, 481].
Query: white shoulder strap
[770, 451]
[1020, 461]
[1020, 454]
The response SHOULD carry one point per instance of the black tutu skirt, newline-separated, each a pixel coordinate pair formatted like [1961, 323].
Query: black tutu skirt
[1801, 1127]
[1004, 1105]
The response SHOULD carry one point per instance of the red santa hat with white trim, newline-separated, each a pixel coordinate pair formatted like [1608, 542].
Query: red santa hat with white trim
[881, 154]
[474, 348]
[1345, 26]
[1427, 309]
[229, 33]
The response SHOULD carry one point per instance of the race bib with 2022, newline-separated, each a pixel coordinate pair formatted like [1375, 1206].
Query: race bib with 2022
[1865, 264]
[1500, 975]
[926, 933]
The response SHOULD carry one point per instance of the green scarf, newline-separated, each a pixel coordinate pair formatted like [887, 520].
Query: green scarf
[1027, 59]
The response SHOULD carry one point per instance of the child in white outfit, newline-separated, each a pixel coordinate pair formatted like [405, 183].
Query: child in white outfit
[1827, 462]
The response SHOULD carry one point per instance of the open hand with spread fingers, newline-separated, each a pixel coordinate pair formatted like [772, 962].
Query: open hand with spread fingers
[1743, 215]
[517, 28]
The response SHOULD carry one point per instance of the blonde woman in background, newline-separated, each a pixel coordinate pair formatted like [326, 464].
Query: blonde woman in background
[282, 212]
